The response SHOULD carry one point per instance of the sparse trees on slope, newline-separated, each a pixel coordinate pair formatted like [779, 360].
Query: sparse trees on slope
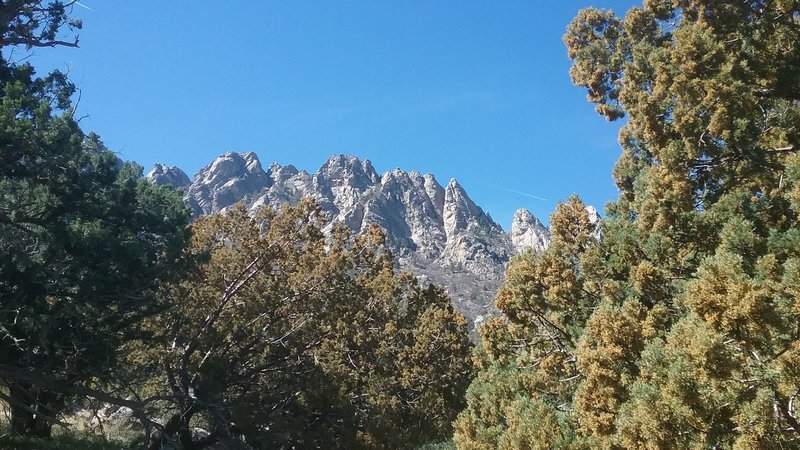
[692, 337]
[282, 337]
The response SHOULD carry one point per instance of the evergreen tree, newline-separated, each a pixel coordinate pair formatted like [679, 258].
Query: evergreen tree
[282, 337]
[37, 23]
[684, 320]
[82, 236]
[527, 360]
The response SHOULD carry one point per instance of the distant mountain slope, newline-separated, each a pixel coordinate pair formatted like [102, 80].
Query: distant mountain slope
[437, 232]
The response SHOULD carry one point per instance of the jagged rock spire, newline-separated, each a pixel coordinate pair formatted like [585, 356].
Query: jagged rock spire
[437, 232]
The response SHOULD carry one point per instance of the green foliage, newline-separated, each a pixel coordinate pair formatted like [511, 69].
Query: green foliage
[527, 360]
[283, 337]
[82, 237]
[37, 23]
[679, 329]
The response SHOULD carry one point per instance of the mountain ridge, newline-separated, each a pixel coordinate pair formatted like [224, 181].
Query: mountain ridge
[437, 232]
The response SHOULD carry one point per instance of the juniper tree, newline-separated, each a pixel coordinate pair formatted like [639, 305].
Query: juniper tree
[281, 336]
[82, 235]
[82, 239]
[691, 337]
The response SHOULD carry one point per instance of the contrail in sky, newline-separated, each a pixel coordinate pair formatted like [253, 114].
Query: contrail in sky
[83, 6]
[518, 192]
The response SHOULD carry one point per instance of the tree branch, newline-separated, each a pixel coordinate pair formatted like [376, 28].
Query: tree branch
[788, 149]
[11, 401]
[55, 385]
[31, 42]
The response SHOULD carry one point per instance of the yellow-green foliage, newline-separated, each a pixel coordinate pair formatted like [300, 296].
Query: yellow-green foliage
[528, 368]
[283, 337]
[679, 329]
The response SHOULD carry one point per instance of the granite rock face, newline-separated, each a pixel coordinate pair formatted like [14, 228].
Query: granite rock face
[528, 232]
[436, 232]
[231, 178]
[163, 174]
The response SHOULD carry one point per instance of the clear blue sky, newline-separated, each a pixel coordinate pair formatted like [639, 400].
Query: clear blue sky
[473, 90]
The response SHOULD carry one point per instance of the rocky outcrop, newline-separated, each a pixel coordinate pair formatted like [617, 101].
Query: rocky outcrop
[594, 217]
[437, 232]
[527, 232]
[231, 178]
[170, 175]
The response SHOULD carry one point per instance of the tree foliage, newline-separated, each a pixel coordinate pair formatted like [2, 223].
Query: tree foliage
[282, 337]
[679, 329]
[82, 237]
[37, 23]
[528, 369]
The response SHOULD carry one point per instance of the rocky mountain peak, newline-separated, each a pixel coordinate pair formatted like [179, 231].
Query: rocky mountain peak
[252, 163]
[341, 170]
[171, 175]
[594, 216]
[435, 193]
[454, 193]
[436, 232]
[399, 178]
[528, 232]
[230, 166]
[280, 174]
[232, 177]
[459, 211]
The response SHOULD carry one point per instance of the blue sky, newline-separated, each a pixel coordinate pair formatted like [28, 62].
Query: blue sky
[473, 90]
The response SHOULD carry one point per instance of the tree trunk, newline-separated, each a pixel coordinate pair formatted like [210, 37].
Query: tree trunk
[176, 430]
[185, 434]
[27, 400]
[44, 405]
[21, 408]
